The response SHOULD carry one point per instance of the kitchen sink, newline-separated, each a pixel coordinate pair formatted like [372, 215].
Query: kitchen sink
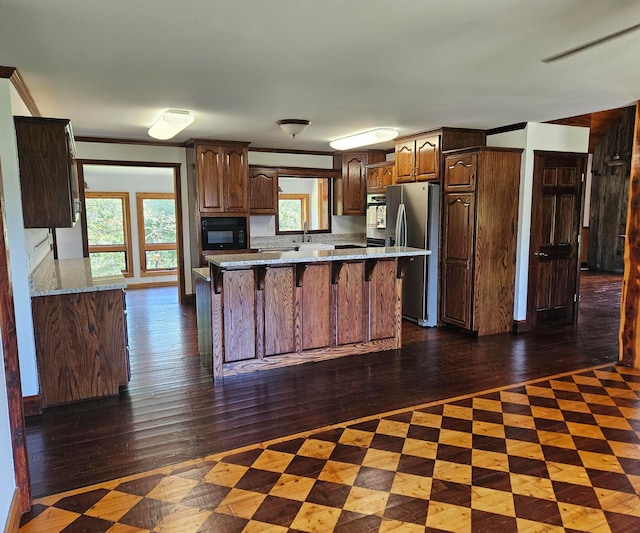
[316, 246]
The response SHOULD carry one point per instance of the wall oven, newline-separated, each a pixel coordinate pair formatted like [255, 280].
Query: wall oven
[376, 219]
[224, 233]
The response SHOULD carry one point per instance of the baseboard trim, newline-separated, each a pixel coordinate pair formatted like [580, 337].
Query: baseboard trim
[13, 520]
[520, 326]
[151, 285]
[32, 405]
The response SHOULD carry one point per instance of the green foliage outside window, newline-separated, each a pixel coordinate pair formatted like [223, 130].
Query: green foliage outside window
[290, 215]
[104, 221]
[159, 221]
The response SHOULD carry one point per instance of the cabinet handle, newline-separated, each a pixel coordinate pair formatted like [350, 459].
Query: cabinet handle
[540, 254]
[460, 162]
[466, 204]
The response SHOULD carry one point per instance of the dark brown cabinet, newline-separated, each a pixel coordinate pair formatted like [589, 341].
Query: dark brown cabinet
[221, 172]
[81, 345]
[479, 232]
[379, 176]
[263, 191]
[48, 173]
[419, 157]
[349, 194]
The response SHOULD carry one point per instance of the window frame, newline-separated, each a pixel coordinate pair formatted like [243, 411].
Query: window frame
[126, 247]
[143, 246]
[304, 207]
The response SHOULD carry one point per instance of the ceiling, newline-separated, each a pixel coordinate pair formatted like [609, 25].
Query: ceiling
[348, 66]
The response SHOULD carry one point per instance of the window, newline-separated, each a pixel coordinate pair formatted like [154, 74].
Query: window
[157, 233]
[293, 211]
[109, 232]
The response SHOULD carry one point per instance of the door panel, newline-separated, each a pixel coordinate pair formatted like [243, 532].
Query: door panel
[555, 226]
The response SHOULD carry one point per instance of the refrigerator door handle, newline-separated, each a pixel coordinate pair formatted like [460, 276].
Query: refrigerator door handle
[401, 226]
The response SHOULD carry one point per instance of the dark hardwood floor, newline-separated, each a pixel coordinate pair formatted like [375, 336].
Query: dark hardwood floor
[171, 411]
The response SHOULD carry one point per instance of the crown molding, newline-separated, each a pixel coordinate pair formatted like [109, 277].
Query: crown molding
[13, 74]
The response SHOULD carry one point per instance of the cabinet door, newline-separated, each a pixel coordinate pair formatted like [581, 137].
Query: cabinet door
[405, 162]
[354, 184]
[374, 180]
[382, 301]
[387, 175]
[209, 171]
[460, 172]
[263, 191]
[349, 304]
[457, 249]
[235, 180]
[427, 160]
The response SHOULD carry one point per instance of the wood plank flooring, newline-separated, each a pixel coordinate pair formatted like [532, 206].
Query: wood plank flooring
[172, 412]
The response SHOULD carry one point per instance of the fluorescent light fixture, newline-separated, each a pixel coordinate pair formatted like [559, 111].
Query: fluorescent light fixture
[379, 135]
[170, 123]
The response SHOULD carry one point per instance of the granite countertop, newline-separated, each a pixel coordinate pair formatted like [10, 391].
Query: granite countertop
[67, 276]
[202, 272]
[231, 261]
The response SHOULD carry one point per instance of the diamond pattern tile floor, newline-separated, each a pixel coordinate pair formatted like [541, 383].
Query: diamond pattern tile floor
[558, 454]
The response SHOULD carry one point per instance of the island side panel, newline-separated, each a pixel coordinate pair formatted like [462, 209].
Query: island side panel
[349, 292]
[239, 308]
[383, 301]
[315, 298]
[279, 316]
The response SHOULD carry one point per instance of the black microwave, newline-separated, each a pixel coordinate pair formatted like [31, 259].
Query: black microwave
[224, 233]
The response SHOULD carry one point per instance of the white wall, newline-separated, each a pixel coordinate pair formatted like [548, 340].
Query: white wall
[534, 136]
[16, 240]
[265, 226]
[143, 153]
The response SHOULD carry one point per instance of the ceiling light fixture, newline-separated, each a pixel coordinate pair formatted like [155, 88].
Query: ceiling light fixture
[170, 123]
[379, 135]
[293, 126]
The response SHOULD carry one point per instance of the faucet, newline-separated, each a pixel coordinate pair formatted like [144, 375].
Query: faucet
[304, 231]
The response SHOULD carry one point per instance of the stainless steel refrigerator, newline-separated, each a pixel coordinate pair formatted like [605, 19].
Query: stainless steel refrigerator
[413, 219]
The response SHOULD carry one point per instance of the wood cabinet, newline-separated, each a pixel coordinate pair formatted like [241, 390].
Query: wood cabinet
[221, 173]
[263, 191]
[379, 176]
[419, 157]
[81, 345]
[48, 172]
[349, 190]
[479, 232]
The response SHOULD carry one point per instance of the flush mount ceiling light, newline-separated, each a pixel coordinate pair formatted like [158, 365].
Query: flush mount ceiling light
[379, 135]
[170, 123]
[293, 126]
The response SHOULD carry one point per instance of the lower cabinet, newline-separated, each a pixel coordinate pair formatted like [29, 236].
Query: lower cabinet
[81, 345]
[342, 307]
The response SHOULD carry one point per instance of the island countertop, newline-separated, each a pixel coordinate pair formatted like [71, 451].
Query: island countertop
[234, 261]
[67, 276]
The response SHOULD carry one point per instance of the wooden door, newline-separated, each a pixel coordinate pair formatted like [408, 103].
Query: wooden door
[405, 162]
[209, 178]
[457, 249]
[235, 181]
[374, 180]
[263, 191]
[428, 158]
[555, 225]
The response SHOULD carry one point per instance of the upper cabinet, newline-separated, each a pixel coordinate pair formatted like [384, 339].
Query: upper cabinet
[263, 191]
[221, 173]
[418, 156]
[418, 159]
[379, 176]
[48, 172]
[349, 195]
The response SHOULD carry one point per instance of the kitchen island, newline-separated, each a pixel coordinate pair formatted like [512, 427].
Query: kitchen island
[80, 327]
[275, 309]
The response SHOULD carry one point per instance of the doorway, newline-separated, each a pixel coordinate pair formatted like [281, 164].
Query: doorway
[556, 223]
[138, 190]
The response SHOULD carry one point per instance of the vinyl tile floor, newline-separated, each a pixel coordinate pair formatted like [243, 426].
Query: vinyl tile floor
[557, 454]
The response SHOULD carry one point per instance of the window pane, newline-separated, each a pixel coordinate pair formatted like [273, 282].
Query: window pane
[159, 220]
[290, 215]
[104, 221]
[161, 259]
[107, 263]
